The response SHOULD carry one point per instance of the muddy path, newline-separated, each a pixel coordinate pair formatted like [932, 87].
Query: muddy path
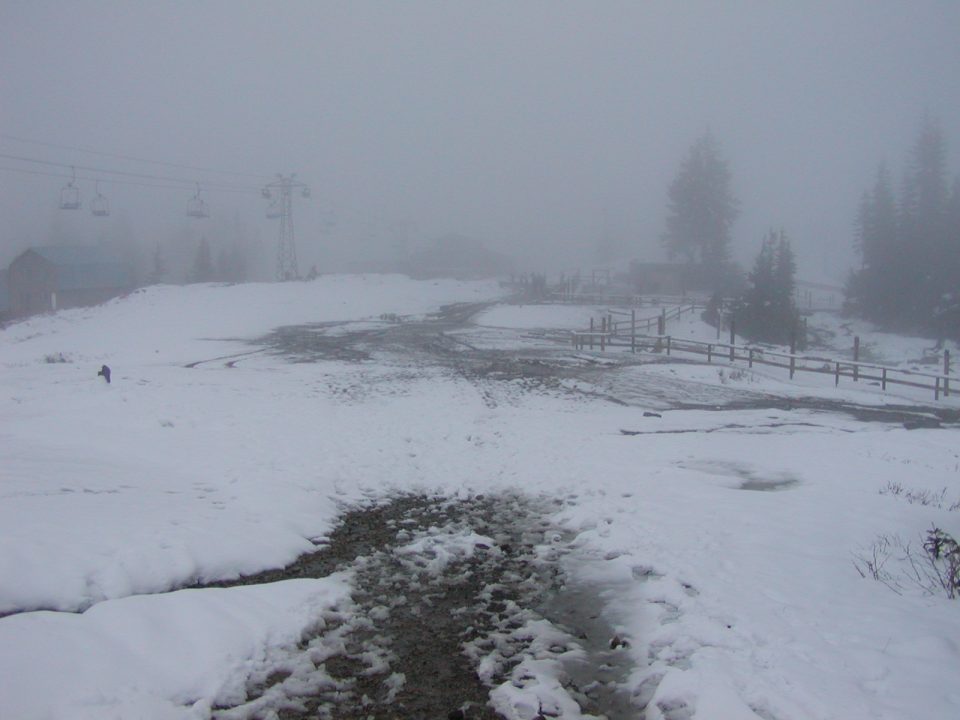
[444, 340]
[463, 608]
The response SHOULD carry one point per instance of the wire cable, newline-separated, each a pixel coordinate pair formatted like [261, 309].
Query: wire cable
[134, 158]
[125, 173]
[133, 183]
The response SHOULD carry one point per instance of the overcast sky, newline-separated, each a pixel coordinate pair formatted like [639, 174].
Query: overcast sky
[535, 126]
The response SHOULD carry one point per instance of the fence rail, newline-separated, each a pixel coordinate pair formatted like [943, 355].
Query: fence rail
[623, 300]
[611, 334]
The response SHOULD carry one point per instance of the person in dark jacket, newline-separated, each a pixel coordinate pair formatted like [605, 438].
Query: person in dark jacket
[104, 373]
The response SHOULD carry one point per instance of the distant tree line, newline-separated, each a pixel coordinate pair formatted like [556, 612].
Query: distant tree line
[909, 245]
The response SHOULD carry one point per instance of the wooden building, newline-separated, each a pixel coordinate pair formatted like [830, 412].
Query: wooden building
[44, 279]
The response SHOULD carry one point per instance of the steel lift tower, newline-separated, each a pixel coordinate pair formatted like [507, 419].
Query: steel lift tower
[280, 194]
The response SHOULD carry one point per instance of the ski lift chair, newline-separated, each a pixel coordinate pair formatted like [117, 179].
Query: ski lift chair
[99, 206]
[69, 198]
[196, 207]
[70, 194]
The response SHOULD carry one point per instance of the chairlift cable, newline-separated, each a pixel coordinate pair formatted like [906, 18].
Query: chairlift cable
[126, 173]
[132, 183]
[133, 158]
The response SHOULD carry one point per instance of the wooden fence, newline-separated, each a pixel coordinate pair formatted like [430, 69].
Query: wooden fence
[635, 334]
[608, 331]
[598, 298]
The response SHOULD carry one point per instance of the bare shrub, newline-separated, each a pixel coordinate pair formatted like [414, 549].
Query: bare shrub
[943, 555]
[928, 498]
[934, 569]
[873, 562]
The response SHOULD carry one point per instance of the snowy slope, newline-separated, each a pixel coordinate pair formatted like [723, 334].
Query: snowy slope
[738, 602]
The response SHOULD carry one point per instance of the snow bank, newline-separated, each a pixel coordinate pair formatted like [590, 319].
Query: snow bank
[161, 657]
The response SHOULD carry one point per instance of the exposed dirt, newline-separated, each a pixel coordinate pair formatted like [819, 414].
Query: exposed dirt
[453, 598]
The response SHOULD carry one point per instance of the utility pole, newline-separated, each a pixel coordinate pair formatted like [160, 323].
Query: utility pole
[280, 194]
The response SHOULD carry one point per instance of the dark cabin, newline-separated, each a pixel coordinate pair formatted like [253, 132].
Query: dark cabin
[44, 279]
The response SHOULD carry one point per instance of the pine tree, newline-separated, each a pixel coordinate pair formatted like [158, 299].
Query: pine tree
[701, 210]
[947, 311]
[767, 311]
[159, 269]
[203, 263]
[878, 242]
[784, 283]
[924, 227]
[910, 251]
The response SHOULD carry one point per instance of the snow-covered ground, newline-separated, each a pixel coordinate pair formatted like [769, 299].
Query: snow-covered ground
[725, 542]
[833, 334]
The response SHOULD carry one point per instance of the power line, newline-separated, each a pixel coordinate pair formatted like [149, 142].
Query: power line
[125, 173]
[132, 183]
[133, 158]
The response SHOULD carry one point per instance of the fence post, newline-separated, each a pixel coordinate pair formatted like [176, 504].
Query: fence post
[668, 344]
[662, 326]
[946, 373]
[750, 364]
[856, 358]
[633, 331]
[883, 380]
[793, 352]
[709, 353]
[733, 339]
[591, 333]
[836, 380]
[936, 389]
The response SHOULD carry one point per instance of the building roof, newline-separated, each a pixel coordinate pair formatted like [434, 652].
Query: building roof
[81, 267]
[75, 254]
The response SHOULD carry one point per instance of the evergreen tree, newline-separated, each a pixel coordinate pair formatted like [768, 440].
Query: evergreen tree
[159, 269]
[767, 311]
[784, 282]
[203, 263]
[924, 227]
[947, 310]
[701, 210]
[231, 265]
[910, 271]
[878, 242]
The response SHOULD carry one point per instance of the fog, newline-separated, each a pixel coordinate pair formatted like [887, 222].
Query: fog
[539, 128]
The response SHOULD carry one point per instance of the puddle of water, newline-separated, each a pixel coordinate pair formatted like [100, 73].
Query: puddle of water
[749, 478]
[769, 485]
